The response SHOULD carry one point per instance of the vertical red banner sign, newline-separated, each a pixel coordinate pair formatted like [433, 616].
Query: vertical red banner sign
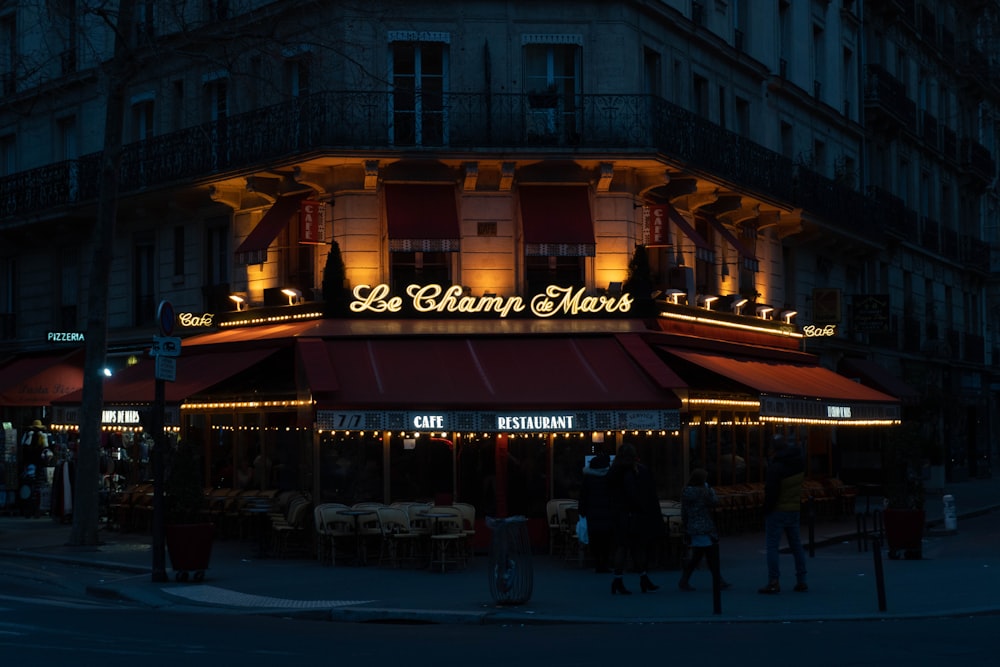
[312, 221]
[658, 226]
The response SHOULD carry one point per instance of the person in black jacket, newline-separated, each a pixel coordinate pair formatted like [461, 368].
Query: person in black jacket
[637, 518]
[595, 505]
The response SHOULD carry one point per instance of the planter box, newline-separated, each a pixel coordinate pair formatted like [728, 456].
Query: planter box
[190, 548]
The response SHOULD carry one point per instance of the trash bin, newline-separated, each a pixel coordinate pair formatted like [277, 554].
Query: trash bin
[510, 570]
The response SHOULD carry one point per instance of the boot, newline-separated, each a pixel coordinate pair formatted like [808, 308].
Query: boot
[618, 586]
[771, 588]
[684, 584]
[645, 585]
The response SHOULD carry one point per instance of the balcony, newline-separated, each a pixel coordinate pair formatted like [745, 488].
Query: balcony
[976, 160]
[460, 125]
[886, 95]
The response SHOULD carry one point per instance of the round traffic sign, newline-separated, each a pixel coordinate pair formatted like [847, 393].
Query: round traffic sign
[165, 316]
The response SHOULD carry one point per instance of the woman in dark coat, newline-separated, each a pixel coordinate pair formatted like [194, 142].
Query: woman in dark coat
[595, 505]
[637, 518]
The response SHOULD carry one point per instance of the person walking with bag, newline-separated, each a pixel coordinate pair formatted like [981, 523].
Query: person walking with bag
[637, 519]
[595, 506]
[698, 500]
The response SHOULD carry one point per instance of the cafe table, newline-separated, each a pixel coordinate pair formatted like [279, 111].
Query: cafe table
[356, 514]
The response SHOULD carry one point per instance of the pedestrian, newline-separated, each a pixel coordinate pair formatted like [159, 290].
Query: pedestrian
[782, 510]
[638, 522]
[595, 506]
[698, 500]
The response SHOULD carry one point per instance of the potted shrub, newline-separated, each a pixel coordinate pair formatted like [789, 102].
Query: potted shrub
[904, 515]
[188, 535]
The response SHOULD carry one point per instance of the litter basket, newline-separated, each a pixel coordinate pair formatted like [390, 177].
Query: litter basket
[510, 570]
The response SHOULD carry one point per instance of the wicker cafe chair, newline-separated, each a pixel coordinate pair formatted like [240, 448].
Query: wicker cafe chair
[292, 527]
[325, 522]
[398, 541]
[468, 512]
[446, 541]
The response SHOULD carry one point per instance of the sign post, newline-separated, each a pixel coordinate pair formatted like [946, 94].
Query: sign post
[166, 349]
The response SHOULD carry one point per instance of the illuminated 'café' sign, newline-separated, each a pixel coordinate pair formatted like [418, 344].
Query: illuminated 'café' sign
[437, 299]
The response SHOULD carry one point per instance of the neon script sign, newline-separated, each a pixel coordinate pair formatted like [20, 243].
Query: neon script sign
[555, 300]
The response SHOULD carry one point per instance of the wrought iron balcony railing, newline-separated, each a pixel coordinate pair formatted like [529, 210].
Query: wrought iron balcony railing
[461, 124]
[887, 93]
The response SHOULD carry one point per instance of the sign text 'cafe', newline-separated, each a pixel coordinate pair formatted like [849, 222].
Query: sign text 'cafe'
[555, 300]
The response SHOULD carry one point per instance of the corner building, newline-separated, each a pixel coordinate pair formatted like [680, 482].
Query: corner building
[687, 225]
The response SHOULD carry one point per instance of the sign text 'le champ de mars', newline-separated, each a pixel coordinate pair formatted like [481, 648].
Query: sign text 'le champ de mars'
[555, 300]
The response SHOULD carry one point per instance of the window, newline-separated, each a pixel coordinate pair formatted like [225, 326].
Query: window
[8, 289]
[216, 100]
[419, 87]
[142, 119]
[722, 107]
[216, 288]
[652, 72]
[741, 112]
[66, 140]
[179, 251]
[8, 54]
[741, 23]
[144, 281]
[552, 85]
[8, 157]
[787, 140]
[297, 76]
[565, 271]
[177, 105]
[704, 271]
[145, 21]
[849, 77]
[419, 268]
[69, 294]
[819, 60]
[699, 96]
[217, 10]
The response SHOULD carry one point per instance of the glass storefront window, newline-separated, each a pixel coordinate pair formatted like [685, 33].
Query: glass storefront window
[351, 469]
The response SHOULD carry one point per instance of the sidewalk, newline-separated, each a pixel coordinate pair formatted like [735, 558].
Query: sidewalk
[955, 577]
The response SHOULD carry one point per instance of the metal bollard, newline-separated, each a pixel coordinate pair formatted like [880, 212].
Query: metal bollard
[950, 514]
[879, 574]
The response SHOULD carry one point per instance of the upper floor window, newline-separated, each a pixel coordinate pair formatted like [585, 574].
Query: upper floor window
[419, 88]
[8, 154]
[8, 54]
[142, 118]
[66, 139]
[216, 99]
[552, 84]
[145, 21]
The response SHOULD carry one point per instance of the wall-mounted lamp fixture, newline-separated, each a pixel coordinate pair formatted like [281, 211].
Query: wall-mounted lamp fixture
[240, 301]
[675, 295]
[706, 300]
[764, 312]
[787, 315]
[737, 304]
[294, 295]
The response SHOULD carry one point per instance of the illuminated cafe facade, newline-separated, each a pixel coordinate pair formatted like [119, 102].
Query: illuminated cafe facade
[429, 402]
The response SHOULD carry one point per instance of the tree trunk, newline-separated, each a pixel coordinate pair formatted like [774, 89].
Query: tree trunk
[85, 500]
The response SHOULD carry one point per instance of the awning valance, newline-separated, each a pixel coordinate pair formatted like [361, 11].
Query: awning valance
[475, 373]
[556, 220]
[422, 217]
[796, 390]
[253, 250]
[37, 380]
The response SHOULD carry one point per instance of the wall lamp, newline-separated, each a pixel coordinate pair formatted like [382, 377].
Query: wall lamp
[674, 295]
[294, 295]
[737, 304]
[787, 315]
[239, 300]
[706, 300]
[764, 312]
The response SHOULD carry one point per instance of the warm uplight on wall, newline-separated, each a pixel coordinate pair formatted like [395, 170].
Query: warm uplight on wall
[241, 303]
[787, 315]
[764, 312]
[294, 295]
[674, 295]
[706, 300]
[737, 305]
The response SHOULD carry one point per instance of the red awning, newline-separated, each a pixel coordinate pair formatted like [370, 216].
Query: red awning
[784, 379]
[878, 376]
[556, 220]
[195, 373]
[37, 380]
[490, 373]
[422, 217]
[703, 249]
[253, 250]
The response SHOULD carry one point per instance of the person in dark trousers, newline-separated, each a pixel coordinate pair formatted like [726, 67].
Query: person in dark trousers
[698, 500]
[637, 518]
[595, 505]
[782, 510]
